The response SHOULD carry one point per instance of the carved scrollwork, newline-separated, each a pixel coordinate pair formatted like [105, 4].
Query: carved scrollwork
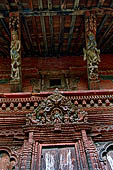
[56, 109]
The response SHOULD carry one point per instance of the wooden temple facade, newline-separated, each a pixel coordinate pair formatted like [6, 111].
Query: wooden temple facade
[56, 85]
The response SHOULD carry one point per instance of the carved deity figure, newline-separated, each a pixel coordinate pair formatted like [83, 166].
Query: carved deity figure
[15, 56]
[57, 116]
[92, 54]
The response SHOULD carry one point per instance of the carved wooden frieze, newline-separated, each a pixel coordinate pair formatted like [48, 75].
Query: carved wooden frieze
[56, 109]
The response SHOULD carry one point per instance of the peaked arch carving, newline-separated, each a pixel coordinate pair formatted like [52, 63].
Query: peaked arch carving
[56, 109]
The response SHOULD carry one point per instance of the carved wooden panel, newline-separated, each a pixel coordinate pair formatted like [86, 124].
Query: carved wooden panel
[58, 158]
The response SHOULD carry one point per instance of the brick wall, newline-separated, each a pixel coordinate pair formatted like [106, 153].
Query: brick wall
[32, 65]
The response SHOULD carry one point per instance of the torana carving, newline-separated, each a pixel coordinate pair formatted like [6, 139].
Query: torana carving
[56, 109]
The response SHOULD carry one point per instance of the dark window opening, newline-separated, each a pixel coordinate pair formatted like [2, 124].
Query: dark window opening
[55, 82]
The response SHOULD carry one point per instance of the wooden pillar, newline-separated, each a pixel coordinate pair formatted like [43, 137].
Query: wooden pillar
[91, 53]
[15, 52]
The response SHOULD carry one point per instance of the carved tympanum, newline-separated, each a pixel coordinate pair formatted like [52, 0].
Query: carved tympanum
[56, 109]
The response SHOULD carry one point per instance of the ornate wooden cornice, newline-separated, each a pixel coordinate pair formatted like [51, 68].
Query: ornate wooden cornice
[29, 101]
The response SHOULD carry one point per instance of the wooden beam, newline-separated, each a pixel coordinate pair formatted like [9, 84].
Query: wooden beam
[102, 23]
[61, 34]
[35, 28]
[108, 29]
[27, 29]
[50, 4]
[54, 12]
[28, 45]
[76, 4]
[104, 20]
[4, 51]
[5, 27]
[106, 43]
[36, 34]
[62, 21]
[51, 27]
[111, 45]
[100, 3]
[43, 27]
[3, 38]
[7, 5]
[19, 6]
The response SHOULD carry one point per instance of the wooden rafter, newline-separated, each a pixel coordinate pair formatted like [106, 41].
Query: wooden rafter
[111, 44]
[102, 23]
[36, 33]
[3, 38]
[106, 32]
[26, 45]
[35, 29]
[75, 49]
[61, 34]
[106, 44]
[19, 6]
[50, 4]
[100, 3]
[5, 27]
[103, 20]
[4, 50]
[62, 21]
[43, 27]
[27, 30]
[25, 25]
[99, 11]
[7, 5]
[51, 26]
[76, 4]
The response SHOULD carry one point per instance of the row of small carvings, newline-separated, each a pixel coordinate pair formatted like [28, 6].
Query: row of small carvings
[34, 105]
[39, 98]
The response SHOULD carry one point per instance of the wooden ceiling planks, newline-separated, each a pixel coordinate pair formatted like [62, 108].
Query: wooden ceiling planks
[50, 6]
[51, 28]
[76, 4]
[42, 20]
